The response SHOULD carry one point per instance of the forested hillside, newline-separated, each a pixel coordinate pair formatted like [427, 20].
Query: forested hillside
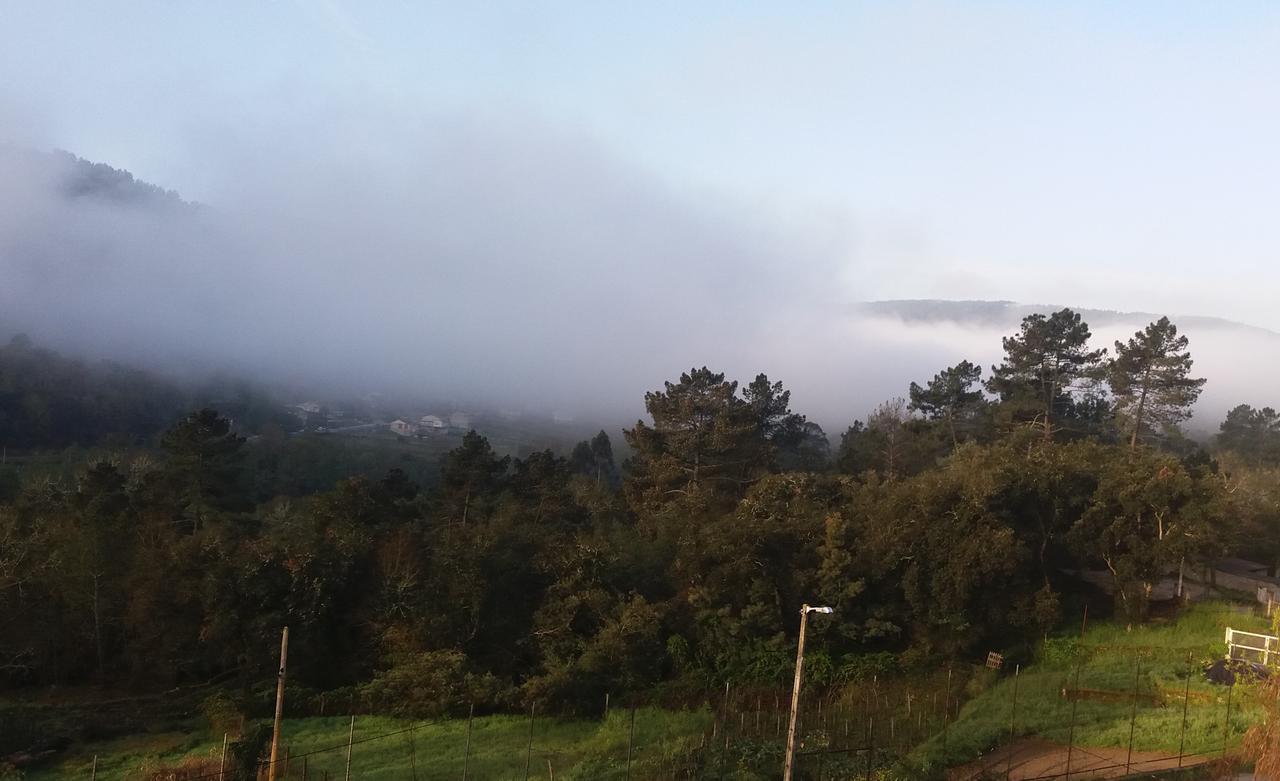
[48, 401]
[940, 527]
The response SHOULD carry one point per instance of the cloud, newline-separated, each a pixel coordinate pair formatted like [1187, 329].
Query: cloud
[497, 260]
[489, 259]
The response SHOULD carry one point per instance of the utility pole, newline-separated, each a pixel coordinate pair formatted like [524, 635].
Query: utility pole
[789, 762]
[275, 732]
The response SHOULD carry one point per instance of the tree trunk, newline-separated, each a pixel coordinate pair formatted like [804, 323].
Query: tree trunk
[1137, 417]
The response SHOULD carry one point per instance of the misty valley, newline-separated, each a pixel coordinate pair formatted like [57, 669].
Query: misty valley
[659, 391]
[157, 533]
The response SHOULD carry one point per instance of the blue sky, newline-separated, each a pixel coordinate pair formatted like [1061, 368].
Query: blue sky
[1118, 155]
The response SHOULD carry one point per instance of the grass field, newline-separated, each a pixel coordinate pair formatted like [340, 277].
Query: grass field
[1110, 662]
[576, 749]
[1106, 667]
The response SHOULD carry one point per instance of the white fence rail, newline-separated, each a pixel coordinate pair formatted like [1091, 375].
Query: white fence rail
[1250, 646]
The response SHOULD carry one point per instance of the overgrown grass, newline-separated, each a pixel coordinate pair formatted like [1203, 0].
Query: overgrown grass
[500, 748]
[1110, 661]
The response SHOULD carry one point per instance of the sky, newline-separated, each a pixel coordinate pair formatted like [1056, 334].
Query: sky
[692, 182]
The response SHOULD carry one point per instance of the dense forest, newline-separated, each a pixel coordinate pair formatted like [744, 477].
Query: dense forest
[946, 523]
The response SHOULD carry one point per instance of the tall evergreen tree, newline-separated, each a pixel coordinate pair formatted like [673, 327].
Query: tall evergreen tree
[594, 458]
[1254, 434]
[703, 437]
[204, 464]
[1045, 365]
[470, 476]
[1151, 379]
[949, 396]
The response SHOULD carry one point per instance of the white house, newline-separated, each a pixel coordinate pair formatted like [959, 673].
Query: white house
[403, 428]
[431, 422]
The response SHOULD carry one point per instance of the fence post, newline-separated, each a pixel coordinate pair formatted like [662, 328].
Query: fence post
[93, 772]
[631, 737]
[222, 763]
[413, 752]
[1186, 700]
[304, 769]
[1133, 712]
[1226, 726]
[351, 734]
[275, 730]
[726, 716]
[466, 751]
[606, 706]
[1071, 734]
[1013, 717]
[946, 709]
[868, 763]
[528, 750]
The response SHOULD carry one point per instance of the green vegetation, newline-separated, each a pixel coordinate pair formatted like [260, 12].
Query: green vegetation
[1110, 660]
[511, 580]
[576, 748]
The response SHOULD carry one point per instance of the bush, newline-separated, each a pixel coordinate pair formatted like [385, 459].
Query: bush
[185, 770]
[429, 684]
[1060, 652]
[223, 714]
[864, 667]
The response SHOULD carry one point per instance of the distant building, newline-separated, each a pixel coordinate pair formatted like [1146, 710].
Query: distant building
[460, 420]
[310, 407]
[431, 422]
[403, 428]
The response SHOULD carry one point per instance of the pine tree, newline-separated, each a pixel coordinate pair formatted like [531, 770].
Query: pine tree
[1150, 377]
[703, 437]
[1045, 364]
[949, 396]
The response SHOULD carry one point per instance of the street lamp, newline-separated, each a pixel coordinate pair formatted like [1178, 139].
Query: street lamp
[789, 762]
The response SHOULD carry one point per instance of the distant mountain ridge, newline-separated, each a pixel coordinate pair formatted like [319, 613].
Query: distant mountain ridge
[78, 179]
[1011, 313]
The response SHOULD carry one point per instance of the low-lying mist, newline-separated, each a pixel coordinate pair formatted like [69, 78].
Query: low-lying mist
[486, 265]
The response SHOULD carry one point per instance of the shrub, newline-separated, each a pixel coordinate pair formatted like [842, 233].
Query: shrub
[223, 714]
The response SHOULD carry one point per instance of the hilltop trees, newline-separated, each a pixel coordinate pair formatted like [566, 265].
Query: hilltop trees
[705, 441]
[1253, 434]
[204, 465]
[594, 458]
[892, 442]
[470, 479]
[1046, 365]
[1151, 378]
[550, 580]
[950, 397]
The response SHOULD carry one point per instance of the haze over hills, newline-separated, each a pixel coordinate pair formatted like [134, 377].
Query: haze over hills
[1237, 358]
[100, 264]
[1009, 313]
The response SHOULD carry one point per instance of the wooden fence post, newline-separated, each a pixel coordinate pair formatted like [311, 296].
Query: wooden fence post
[222, 764]
[351, 734]
[466, 751]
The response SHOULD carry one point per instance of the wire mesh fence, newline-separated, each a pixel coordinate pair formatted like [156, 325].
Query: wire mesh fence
[1097, 712]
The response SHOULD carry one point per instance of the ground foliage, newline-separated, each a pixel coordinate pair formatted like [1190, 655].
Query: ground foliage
[551, 581]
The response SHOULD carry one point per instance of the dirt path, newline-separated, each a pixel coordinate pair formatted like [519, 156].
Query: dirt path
[1031, 758]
